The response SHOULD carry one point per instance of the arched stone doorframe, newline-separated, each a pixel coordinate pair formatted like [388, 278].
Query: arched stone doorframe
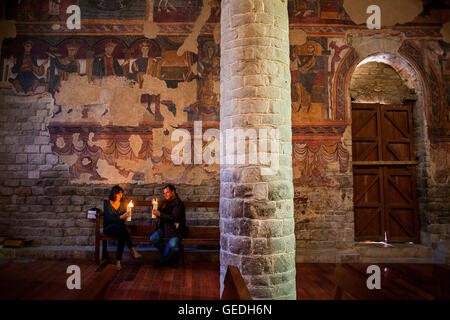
[413, 75]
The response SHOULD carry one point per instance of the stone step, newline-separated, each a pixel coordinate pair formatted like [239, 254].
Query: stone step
[376, 250]
[326, 256]
[397, 260]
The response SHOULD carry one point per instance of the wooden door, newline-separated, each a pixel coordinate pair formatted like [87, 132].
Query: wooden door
[384, 173]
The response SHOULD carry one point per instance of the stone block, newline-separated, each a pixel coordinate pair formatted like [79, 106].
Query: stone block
[31, 200]
[280, 191]
[51, 159]
[270, 228]
[239, 245]
[243, 190]
[244, 68]
[267, 246]
[260, 191]
[241, 7]
[319, 235]
[284, 263]
[12, 148]
[45, 149]
[33, 174]
[21, 158]
[42, 140]
[11, 183]
[242, 93]
[44, 201]
[264, 18]
[241, 19]
[4, 191]
[235, 208]
[262, 292]
[36, 159]
[84, 223]
[246, 227]
[258, 281]
[7, 158]
[11, 140]
[259, 209]
[256, 265]
[50, 174]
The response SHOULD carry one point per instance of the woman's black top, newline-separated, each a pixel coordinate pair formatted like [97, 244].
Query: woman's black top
[112, 216]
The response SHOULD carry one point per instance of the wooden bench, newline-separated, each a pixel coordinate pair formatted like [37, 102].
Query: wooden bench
[234, 287]
[195, 235]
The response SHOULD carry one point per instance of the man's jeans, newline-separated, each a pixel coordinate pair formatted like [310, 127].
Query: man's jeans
[166, 250]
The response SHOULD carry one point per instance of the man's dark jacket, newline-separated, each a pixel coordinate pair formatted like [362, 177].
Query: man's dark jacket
[173, 211]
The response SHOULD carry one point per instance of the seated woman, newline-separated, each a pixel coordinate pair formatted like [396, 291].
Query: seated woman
[113, 223]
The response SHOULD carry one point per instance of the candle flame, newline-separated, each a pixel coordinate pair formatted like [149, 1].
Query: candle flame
[155, 201]
[131, 205]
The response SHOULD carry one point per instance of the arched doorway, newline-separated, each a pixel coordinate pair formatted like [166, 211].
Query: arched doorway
[388, 144]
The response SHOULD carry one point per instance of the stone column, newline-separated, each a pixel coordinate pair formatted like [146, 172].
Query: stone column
[256, 207]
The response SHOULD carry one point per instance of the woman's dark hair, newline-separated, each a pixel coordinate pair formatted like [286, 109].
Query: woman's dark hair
[171, 188]
[115, 191]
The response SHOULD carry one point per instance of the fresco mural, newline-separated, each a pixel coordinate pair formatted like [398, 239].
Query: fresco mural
[312, 159]
[93, 132]
[316, 10]
[113, 9]
[38, 10]
[206, 108]
[138, 89]
[309, 80]
[445, 63]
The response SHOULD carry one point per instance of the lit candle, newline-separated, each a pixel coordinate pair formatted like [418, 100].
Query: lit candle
[155, 206]
[130, 205]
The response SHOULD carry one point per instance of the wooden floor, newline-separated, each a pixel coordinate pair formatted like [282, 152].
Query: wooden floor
[46, 279]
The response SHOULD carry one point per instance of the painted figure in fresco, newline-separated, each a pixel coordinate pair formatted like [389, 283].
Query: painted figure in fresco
[54, 9]
[208, 71]
[303, 74]
[63, 67]
[27, 10]
[90, 57]
[110, 5]
[27, 70]
[106, 65]
[126, 63]
[307, 8]
[145, 65]
[167, 6]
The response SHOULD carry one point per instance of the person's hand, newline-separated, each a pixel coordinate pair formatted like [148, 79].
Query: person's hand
[125, 215]
[156, 212]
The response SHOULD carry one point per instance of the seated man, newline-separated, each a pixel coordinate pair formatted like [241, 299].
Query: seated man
[171, 225]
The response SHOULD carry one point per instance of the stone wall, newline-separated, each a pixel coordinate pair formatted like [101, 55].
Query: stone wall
[374, 81]
[324, 210]
[438, 224]
[60, 157]
[39, 202]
